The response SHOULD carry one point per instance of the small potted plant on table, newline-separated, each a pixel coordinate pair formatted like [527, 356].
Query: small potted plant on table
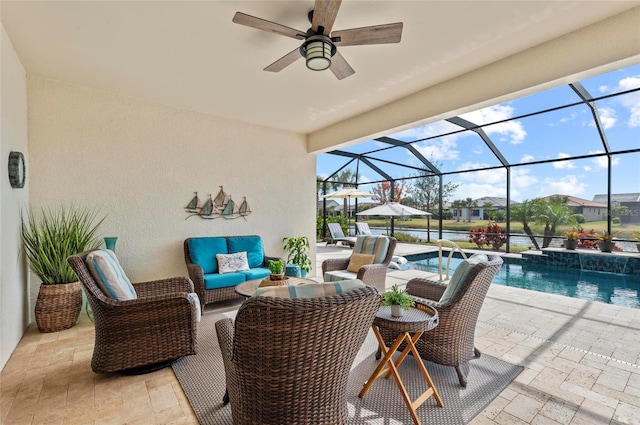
[276, 268]
[398, 300]
[571, 240]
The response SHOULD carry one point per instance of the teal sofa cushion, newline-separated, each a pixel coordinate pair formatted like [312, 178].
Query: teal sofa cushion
[216, 280]
[203, 252]
[257, 273]
[251, 244]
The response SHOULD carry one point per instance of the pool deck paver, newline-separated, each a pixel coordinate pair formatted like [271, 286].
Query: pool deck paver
[581, 364]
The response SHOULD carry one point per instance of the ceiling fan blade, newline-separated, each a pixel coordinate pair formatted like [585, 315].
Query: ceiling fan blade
[264, 25]
[324, 15]
[340, 68]
[284, 61]
[377, 34]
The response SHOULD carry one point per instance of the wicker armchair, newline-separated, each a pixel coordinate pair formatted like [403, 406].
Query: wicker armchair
[287, 361]
[144, 334]
[451, 343]
[370, 274]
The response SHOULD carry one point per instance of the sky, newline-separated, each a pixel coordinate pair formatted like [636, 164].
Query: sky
[564, 133]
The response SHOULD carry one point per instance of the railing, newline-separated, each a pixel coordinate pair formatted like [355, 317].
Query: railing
[451, 252]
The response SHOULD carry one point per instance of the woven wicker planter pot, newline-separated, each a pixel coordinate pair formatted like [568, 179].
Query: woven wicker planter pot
[58, 306]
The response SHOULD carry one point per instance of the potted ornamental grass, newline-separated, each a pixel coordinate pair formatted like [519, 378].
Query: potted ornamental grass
[49, 236]
[571, 240]
[636, 235]
[605, 241]
[398, 300]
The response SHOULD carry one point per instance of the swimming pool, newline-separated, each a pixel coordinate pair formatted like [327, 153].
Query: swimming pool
[610, 288]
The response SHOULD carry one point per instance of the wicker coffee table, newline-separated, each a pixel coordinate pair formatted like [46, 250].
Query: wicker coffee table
[247, 288]
[410, 327]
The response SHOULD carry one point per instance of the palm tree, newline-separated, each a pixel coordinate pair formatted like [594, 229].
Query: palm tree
[468, 204]
[553, 212]
[458, 204]
[525, 213]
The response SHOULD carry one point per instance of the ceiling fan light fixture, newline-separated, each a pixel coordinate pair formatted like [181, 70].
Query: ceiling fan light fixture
[317, 51]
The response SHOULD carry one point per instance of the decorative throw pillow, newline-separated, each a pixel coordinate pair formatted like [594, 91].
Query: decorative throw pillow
[108, 274]
[228, 263]
[358, 260]
[460, 275]
[309, 290]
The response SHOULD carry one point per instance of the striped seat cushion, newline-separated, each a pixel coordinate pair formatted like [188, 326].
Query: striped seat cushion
[108, 274]
[309, 290]
[376, 245]
[338, 275]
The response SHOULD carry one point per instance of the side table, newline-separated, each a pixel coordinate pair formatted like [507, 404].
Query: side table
[410, 327]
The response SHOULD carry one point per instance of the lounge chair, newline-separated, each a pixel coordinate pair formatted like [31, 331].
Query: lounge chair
[362, 228]
[451, 343]
[338, 236]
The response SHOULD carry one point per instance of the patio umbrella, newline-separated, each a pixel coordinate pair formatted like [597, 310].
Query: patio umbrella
[393, 209]
[348, 193]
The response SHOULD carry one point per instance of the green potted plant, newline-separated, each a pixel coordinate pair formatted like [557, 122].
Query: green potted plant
[297, 249]
[606, 243]
[398, 300]
[49, 237]
[571, 239]
[276, 268]
[636, 235]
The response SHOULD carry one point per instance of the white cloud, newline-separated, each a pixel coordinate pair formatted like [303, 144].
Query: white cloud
[496, 176]
[565, 185]
[631, 100]
[522, 178]
[511, 131]
[607, 117]
[601, 161]
[603, 89]
[572, 116]
[527, 158]
[563, 165]
[438, 149]
[587, 168]
[477, 190]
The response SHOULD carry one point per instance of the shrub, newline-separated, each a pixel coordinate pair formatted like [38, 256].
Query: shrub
[493, 235]
[405, 237]
[580, 218]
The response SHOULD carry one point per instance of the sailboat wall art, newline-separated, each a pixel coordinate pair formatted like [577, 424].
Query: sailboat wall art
[222, 206]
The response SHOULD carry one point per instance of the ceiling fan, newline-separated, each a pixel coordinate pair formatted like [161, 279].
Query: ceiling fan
[320, 46]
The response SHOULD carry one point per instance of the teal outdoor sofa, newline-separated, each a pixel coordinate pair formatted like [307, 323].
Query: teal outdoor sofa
[202, 265]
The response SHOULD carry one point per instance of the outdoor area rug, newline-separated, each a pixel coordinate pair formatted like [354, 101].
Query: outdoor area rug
[202, 379]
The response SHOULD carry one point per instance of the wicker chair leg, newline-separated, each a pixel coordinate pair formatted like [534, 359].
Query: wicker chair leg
[225, 398]
[476, 352]
[378, 354]
[461, 378]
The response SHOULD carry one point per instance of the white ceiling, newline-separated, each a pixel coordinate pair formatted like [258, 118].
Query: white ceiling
[189, 53]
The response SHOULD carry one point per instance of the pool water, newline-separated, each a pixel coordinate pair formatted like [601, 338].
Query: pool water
[610, 288]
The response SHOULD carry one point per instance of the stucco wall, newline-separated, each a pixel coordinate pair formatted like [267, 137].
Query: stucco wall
[140, 162]
[14, 310]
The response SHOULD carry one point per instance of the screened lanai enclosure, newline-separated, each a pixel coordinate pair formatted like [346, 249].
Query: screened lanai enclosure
[525, 171]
